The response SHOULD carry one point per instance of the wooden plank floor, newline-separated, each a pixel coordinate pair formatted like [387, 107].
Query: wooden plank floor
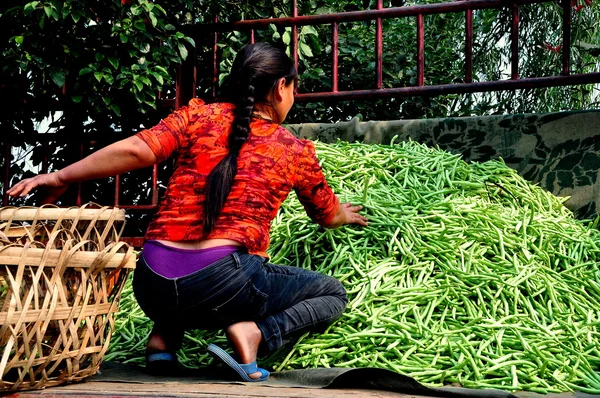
[210, 390]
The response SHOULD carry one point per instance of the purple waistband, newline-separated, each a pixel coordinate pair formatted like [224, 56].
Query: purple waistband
[173, 262]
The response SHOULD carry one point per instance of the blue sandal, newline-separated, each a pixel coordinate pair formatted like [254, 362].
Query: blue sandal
[162, 364]
[243, 370]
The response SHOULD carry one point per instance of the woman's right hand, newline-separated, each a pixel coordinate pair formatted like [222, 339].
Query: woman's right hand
[49, 182]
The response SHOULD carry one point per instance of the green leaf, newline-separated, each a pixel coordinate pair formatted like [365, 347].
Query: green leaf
[124, 38]
[99, 57]
[286, 38]
[309, 30]
[169, 27]
[115, 108]
[109, 78]
[48, 11]
[305, 49]
[139, 96]
[58, 77]
[114, 62]
[136, 10]
[146, 81]
[161, 69]
[139, 85]
[84, 71]
[160, 9]
[182, 51]
[30, 7]
[98, 76]
[191, 41]
[140, 25]
[106, 100]
[76, 16]
[153, 19]
[19, 40]
[158, 78]
[76, 98]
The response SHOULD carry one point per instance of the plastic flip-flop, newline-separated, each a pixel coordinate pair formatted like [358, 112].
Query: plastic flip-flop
[243, 370]
[162, 364]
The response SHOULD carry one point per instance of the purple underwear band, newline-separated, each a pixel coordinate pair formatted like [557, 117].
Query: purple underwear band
[172, 262]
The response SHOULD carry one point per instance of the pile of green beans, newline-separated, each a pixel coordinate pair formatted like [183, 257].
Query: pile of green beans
[467, 274]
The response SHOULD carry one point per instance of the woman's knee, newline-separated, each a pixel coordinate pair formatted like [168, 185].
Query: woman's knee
[339, 291]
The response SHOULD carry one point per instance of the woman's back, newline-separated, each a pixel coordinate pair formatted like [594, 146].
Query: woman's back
[270, 164]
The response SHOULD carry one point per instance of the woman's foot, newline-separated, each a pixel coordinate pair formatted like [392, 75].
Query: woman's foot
[156, 343]
[245, 338]
[160, 355]
[161, 340]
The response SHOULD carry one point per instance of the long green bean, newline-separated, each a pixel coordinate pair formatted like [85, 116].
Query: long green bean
[466, 274]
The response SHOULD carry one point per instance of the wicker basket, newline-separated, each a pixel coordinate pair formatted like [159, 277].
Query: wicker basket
[61, 275]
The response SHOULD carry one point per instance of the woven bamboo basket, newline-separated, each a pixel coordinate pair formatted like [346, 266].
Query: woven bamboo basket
[61, 275]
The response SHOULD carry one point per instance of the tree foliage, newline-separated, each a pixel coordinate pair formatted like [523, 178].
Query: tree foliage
[96, 68]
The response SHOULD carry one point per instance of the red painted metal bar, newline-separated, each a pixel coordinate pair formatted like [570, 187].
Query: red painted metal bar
[420, 50]
[514, 42]
[469, 46]
[117, 189]
[79, 201]
[252, 39]
[379, 48]
[134, 242]
[215, 82]
[456, 88]
[566, 43]
[355, 16]
[154, 199]
[334, 56]
[295, 49]
[7, 153]
[138, 207]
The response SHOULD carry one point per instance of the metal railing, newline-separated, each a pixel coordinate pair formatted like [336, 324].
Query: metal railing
[565, 78]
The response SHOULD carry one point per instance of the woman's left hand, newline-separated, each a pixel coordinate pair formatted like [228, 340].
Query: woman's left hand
[352, 215]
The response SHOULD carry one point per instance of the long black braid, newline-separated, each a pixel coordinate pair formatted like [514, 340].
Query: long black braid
[254, 74]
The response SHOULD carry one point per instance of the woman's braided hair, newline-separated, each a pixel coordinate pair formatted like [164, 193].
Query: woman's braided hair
[255, 73]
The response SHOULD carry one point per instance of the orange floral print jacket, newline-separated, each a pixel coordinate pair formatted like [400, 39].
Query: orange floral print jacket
[271, 163]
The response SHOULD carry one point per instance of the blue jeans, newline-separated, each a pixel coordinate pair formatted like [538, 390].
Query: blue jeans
[285, 302]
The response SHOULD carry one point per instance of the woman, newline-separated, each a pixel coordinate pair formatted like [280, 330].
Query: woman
[204, 262]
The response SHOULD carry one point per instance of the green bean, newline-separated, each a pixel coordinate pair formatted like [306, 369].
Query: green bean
[466, 274]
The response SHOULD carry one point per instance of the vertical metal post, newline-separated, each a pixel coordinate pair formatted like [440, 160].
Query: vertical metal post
[566, 43]
[420, 50]
[185, 85]
[7, 150]
[252, 39]
[78, 201]
[469, 46]
[117, 189]
[215, 82]
[154, 200]
[379, 48]
[294, 49]
[334, 55]
[514, 44]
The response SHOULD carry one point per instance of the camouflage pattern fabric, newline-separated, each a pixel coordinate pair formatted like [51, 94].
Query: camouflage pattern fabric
[558, 151]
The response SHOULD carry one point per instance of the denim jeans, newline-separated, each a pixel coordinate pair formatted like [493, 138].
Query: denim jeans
[284, 301]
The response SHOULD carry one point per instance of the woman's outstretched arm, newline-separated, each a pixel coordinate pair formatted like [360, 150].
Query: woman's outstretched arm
[122, 156]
